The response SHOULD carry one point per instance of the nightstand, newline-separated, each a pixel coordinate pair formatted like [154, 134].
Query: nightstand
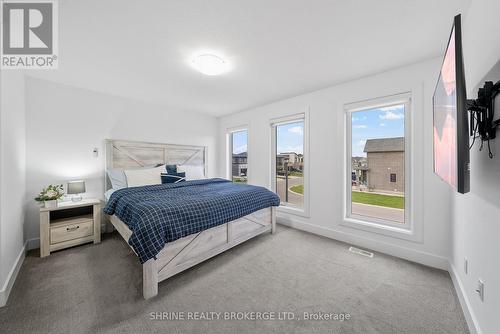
[69, 224]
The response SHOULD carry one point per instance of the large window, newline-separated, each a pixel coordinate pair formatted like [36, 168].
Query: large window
[289, 161]
[238, 142]
[378, 163]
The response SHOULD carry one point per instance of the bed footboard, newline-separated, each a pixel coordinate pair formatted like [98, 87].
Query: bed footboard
[149, 279]
[184, 253]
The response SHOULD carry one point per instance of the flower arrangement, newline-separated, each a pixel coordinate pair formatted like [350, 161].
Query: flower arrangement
[51, 193]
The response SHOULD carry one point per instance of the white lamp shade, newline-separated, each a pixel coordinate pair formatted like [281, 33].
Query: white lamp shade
[76, 187]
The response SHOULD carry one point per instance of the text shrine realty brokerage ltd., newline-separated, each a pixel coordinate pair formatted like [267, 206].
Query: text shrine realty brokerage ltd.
[249, 315]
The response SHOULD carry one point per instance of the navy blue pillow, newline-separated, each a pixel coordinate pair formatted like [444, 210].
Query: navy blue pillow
[173, 177]
[171, 169]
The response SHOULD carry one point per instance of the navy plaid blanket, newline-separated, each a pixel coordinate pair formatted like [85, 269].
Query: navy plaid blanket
[163, 213]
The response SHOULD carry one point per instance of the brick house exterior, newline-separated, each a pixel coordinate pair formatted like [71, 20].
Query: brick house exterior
[386, 164]
[359, 168]
[294, 161]
[239, 164]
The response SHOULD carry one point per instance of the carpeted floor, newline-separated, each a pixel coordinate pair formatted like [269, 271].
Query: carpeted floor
[97, 289]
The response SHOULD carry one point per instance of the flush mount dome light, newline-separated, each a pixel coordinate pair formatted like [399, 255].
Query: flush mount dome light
[210, 64]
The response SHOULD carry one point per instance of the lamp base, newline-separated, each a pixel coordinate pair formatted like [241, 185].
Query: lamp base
[76, 198]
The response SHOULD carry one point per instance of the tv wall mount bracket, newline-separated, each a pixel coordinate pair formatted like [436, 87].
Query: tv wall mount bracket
[482, 112]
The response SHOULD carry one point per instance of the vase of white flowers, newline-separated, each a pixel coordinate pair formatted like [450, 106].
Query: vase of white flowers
[50, 195]
[50, 204]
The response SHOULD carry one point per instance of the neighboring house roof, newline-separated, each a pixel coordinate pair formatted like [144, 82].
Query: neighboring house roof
[359, 163]
[385, 145]
[242, 154]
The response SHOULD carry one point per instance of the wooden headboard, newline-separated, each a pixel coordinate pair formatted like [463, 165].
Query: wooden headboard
[127, 154]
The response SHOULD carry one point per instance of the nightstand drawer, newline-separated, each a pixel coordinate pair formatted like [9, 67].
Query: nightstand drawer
[69, 224]
[78, 228]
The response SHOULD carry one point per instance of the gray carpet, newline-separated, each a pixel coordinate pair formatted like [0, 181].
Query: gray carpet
[97, 289]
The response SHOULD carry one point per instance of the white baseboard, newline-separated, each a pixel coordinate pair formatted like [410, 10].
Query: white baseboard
[11, 278]
[33, 243]
[413, 255]
[464, 301]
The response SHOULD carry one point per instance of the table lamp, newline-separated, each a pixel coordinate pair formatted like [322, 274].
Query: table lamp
[76, 188]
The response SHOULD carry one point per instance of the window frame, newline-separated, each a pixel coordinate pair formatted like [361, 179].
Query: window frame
[293, 118]
[229, 151]
[407, 229]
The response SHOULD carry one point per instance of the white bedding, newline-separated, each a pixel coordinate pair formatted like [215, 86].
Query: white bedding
[192, 172]
[108, 194]
[144, 176]
[150, 176]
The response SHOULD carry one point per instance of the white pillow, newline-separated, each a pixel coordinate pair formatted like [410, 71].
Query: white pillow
[192, 172]
[117, 178]
[144, 176]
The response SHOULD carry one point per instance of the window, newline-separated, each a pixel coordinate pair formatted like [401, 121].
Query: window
[378, 162]
[289, 161]
[238, 164]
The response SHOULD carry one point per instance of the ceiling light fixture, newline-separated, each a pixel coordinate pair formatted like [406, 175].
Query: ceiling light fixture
[210, 64]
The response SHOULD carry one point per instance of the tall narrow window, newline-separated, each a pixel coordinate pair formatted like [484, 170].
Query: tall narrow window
[239, 156]
[378, 165]
[289, 160]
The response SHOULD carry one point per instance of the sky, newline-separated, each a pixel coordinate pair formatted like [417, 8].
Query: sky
[290, 138]
[387, 122]
[240, 140]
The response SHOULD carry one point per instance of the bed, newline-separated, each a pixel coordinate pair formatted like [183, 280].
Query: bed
[172, 227]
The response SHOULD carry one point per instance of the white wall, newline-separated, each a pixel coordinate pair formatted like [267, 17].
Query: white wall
[64, 124]
[12, 175]
[327, 159]
[476, 215]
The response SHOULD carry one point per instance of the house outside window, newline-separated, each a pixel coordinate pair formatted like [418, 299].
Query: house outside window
[385, 157]
[238, 155]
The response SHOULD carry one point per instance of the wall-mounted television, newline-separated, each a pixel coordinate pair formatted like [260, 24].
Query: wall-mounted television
[451, 127]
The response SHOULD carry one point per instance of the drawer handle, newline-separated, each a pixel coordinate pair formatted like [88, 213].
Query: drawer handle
[71, 229]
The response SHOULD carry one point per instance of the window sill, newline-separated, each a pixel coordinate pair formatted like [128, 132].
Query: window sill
[293, 211]
[404, 232]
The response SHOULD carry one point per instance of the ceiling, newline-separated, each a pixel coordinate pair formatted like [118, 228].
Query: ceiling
[278, 48]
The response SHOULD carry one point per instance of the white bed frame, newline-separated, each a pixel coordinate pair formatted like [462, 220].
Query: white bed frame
[186, 252]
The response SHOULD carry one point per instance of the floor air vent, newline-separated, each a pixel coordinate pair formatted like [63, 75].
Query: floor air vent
[360, 252]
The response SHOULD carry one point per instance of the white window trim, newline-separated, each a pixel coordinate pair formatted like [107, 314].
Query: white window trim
[408, 229]
[303, 212]
[229, 150]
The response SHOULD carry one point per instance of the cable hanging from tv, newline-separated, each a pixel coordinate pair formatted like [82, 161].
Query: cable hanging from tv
[482, 112]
